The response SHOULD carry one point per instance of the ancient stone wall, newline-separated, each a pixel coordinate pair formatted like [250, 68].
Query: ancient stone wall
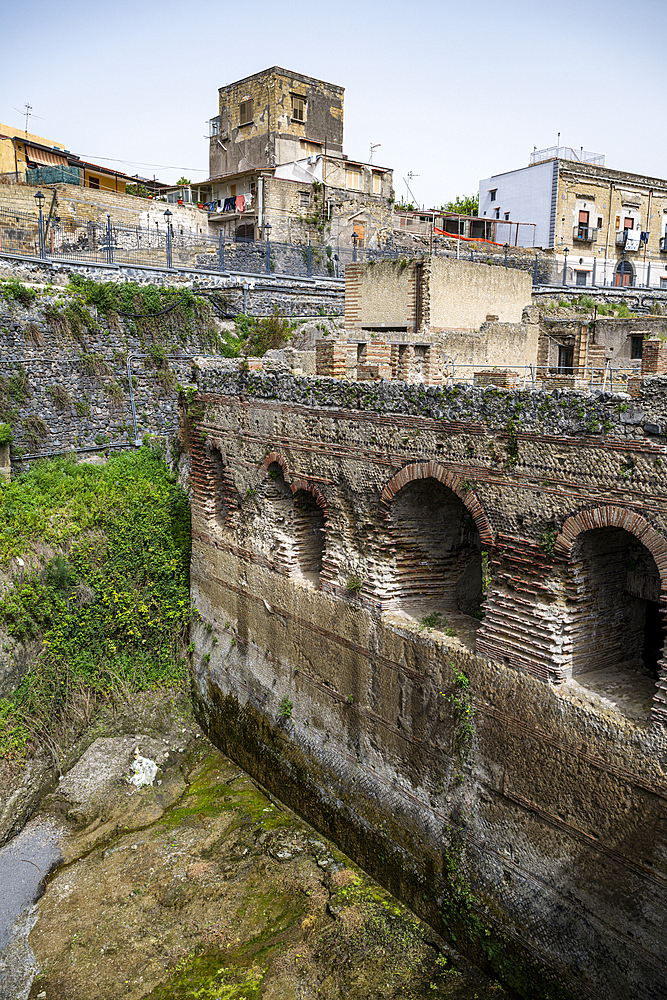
[398, 594]
[434, 294]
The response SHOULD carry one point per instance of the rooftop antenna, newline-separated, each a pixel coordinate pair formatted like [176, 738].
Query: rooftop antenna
[28, 109]
[405, 179]
[374, 146]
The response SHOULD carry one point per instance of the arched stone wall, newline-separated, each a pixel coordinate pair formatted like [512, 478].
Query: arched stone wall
[435, 470]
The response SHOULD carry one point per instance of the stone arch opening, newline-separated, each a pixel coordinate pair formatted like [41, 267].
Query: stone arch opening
[309, 536]
[616, 618]
[278, 500]
[437, 564]
[218, 487]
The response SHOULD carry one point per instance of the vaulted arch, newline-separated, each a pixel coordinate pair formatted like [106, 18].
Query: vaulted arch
[612, 516]
[432, 555]
[435, 470]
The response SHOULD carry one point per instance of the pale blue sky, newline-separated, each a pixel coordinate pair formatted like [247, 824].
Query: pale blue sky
[453, 91]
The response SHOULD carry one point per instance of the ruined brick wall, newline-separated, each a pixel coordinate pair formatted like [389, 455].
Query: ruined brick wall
[454, 294]
[337, 681]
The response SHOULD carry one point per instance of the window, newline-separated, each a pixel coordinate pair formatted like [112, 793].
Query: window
[507, 217]
[628, 222]
[493, 194]
[359, 231]
[496, 213]
[298, 108]
[599, 222]
[214, 126]
[245, 112]
[636, 345]
[565, 359]
[304, 199]
[663, 282]
[580, 277]
[93, 182]
[352, 178]
[377, 183]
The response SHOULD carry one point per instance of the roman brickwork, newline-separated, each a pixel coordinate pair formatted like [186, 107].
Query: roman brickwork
[432, 621]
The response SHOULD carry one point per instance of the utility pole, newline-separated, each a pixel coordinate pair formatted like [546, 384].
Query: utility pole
[374, 146]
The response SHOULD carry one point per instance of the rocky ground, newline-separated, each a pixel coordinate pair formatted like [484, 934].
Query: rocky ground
[175, 877]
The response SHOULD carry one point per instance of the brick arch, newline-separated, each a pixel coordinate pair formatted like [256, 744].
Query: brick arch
[434, 470]
[304, 484]
[611, 516]
[272, 457]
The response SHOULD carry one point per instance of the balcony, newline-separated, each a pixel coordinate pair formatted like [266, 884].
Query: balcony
[584, 234]
[629, 239]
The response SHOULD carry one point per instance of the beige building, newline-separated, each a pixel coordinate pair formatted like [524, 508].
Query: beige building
[277, 166]
[607, 226]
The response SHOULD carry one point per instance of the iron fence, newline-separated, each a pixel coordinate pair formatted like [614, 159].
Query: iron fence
[48, 236]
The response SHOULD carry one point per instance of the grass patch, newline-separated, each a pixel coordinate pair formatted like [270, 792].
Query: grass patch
[111, 608]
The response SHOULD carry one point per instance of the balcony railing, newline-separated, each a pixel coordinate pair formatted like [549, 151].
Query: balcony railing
[585, 234]
[624, 239]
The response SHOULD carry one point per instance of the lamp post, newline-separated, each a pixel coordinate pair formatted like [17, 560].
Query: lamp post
[565, 253]
[39, 198]
[167, 218]
[506, 248]
[355, 240]
[267, 232]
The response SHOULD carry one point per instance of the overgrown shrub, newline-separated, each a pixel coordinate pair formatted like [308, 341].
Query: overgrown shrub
[111, 607]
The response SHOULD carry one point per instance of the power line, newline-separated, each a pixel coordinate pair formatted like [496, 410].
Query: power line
[138, 163]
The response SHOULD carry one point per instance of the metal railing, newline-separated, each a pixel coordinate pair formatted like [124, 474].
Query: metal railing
[608, 378]
[585, 234]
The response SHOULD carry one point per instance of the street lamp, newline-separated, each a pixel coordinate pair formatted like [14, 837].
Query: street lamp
[565, 253]
[39, 198]
[167, 218]
[355, 241]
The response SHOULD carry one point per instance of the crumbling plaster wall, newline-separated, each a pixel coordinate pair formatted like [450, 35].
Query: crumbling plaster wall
[434, 293]
[548, 826]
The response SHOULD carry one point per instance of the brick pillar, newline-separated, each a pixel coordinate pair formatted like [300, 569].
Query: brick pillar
[433, 366]
[331, 358]
[654, 357]
[406, 364]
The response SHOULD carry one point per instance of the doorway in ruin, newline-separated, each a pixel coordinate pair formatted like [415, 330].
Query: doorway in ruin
[279, 519]
[295, 530]
[309, 536]
[216, 473]
[617, 628]
[437, 564]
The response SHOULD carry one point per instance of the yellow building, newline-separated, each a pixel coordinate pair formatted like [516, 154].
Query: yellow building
[20, 149]
[31, 158]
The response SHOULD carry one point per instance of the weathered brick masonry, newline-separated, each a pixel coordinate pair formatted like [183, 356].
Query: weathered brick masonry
[329, 519]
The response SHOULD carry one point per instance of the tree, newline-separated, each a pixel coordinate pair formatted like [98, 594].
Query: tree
[182, 182]
[467, 205]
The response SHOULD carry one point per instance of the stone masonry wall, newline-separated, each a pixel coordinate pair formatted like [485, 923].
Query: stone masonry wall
[521, 813]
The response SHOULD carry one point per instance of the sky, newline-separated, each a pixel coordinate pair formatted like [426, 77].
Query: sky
[453, 91]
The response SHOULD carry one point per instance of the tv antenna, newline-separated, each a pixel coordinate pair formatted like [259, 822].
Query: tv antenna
[374, 146]
[27, 111]
[406, 179]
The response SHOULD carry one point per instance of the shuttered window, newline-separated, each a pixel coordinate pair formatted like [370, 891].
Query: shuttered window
[353, 179]
[245, 112]
[298, 109]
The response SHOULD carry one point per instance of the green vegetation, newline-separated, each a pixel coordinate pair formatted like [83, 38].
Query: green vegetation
[285, 708]
[13, 391]
[254, 337]
[12, 290]
[111, 605]
[431, 621]
[354, 584]
[463, 205]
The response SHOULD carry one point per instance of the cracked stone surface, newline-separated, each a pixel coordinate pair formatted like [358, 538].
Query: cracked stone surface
[199, 885]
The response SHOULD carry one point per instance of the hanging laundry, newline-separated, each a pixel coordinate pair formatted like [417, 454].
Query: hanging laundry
[240, 203]
[230, 205]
